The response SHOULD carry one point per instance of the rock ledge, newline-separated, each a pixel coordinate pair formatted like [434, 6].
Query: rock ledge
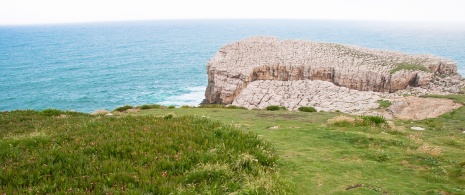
[261, 71]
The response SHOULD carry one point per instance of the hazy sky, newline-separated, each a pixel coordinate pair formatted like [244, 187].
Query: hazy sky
[67, 11]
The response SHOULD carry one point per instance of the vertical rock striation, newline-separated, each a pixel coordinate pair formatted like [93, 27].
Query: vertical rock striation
[237, 65]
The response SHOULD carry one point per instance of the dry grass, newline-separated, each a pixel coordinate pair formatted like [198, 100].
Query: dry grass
[415, 138]
[431, 151]
[341, 118]
[100, 112]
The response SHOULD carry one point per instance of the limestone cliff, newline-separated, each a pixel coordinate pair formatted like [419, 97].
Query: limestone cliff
[239, 64]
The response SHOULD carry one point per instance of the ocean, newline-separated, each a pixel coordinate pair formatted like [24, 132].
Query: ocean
[85, 67]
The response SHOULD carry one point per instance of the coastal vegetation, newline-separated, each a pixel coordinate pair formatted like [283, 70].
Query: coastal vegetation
[307, 109]
[384, 103]
[215, 150]
[123, 108]
[275, 108]
[409, 66]
[52, 151]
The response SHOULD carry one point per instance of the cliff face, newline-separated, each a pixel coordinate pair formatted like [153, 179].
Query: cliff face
[239, 64]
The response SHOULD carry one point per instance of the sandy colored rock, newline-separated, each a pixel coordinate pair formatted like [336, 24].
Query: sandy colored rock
[321, 95]
[261, 71]
[239, 64]
[416, 108]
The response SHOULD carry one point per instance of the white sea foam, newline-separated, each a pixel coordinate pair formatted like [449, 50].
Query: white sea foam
[193, 98]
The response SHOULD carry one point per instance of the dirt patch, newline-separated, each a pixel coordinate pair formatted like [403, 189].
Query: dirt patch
[416, 108]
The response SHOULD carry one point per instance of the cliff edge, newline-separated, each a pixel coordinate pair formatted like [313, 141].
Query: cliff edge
[261, 71]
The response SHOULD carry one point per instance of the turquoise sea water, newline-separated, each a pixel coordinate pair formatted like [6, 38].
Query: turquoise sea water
[85, 67]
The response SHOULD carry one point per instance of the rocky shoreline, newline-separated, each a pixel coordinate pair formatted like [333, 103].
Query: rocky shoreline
[262, 71]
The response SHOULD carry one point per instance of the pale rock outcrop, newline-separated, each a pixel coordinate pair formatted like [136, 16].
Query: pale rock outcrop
[267, 58]
[416, 108]
[322, 95]
[261, 71]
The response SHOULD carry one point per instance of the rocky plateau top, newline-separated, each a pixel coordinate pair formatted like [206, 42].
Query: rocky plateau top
[261, 71]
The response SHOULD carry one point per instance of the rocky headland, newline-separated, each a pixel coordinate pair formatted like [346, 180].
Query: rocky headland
[262, 71]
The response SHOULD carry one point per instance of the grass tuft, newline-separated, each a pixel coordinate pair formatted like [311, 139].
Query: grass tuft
[345, 121]
[374, 120]
[384, 103]
[408, 67]
[150, 106]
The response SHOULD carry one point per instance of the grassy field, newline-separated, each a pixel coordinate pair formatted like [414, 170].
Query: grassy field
[318, 154]
[323, 158]
[63, 152]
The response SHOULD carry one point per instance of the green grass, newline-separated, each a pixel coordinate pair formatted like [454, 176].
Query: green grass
[409, 66]
[63, 152]
[150, 106]
[314, 155]
[384, 103]
[322, 158]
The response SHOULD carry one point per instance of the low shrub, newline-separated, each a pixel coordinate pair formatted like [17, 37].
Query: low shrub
[171, 107]
[307, 109]
[274, 108]
[123, 108]
[186, 106]
[150, 106]
[169, 116]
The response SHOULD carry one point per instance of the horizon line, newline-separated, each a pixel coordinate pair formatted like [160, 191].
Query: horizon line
[232, 19]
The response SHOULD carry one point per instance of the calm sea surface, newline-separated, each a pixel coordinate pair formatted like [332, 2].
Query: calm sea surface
[85, 67]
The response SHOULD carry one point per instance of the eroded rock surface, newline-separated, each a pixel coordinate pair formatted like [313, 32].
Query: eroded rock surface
[262, 71]
[322, 95]
[416, 108]
[267, 58]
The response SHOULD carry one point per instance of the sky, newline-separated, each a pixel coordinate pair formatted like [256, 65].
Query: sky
[14, 12]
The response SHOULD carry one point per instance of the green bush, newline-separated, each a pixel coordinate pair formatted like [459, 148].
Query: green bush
[274, 108]
[150, 106]
[170, 116]
[307, 109]
[123, 108]
[171, 107]
[186, 106]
